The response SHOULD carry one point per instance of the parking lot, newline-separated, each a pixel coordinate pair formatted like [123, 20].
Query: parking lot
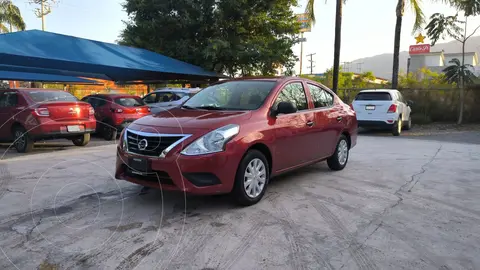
[402, 203]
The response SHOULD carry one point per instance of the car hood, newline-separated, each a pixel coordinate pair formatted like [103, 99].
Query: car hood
[180, 121]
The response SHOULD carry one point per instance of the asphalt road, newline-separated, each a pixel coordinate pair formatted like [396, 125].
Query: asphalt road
[400, 204]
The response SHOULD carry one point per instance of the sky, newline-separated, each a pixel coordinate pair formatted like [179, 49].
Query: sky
[367, 28]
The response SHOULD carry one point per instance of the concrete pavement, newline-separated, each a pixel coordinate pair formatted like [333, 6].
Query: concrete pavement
[399, 204]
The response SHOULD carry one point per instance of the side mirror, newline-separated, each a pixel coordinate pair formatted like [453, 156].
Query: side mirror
[284, 107]
[409, 103]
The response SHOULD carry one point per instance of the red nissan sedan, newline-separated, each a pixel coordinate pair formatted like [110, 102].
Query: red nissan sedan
[233, 136]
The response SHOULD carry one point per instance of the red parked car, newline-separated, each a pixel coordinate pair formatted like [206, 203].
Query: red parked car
[29, 115]
[114, 112]
[234, 135]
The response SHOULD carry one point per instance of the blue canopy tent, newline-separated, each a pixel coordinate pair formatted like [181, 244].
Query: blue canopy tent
[37, 51]
[37, 77]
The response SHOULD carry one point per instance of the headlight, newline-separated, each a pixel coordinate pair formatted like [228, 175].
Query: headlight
[212, 142]
[123, 140]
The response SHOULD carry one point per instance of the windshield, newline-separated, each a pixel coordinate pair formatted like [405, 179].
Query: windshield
[46, 96]
[234, 95]
[373, 96]
[129, 101]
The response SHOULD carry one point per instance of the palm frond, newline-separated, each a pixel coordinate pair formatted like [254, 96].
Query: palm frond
[418, 13]
[3, 28]
[310, 11]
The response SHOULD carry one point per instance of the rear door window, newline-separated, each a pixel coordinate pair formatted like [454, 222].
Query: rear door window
[295, 94]
[321, 98]
[373, 96]
[48, 96]
[8, 99]
[129, 101]
[150, 98]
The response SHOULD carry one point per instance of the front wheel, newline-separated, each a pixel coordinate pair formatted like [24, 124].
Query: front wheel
[82, 140]
[408, 126]
[251, 179]
[339, 159]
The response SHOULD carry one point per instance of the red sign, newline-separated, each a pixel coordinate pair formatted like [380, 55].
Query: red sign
[419, 49]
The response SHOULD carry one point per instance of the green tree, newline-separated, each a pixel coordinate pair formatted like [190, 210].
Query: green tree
[457, 72]
[419, 21]
[310, 10]
[237, 37]
[441, 26]
[10, 17]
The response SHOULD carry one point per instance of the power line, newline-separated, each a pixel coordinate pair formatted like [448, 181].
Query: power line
[311, 62]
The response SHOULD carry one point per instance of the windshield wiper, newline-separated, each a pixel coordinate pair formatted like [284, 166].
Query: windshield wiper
[210, 107]
[189, 107]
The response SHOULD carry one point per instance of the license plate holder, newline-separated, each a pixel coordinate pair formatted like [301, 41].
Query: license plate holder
[75, 128]
[370, 107]
[141, 165]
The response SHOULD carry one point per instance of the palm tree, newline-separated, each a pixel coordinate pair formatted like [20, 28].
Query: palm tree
[419, 21]
[10, 15]
[458, 73]
[338, 36]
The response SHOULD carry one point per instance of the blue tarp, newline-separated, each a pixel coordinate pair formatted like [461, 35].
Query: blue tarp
[51, 53]
[37, 77]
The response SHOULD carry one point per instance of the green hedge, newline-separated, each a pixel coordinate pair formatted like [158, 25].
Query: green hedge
[434, 105]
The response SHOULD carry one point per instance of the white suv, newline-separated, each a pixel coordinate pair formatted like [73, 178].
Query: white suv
[383, 108]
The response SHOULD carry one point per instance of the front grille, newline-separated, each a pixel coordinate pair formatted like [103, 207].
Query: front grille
[155, 144]
[154, 177]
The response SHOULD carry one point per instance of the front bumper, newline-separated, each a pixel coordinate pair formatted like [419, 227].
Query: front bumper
[203, 175]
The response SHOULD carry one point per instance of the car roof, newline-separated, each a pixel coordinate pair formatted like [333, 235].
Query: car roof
[34, 89]
[183, 90]
[379, 90]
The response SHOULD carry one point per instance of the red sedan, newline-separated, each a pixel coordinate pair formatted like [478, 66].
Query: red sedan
[114, 112]
[233, 136]
[28, 115]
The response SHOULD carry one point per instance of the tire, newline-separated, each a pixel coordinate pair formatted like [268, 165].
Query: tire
[397, 127]
[22, 141]
[241, 194]
[109, 132]
[339, 159]
[408, 126]
[82, 140]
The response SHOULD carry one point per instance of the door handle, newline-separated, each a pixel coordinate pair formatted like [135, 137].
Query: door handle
[310, 123]
[339, 118]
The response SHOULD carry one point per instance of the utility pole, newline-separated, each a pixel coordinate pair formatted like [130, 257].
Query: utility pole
[359, 67]
[346, 66]
[311, 62]
[43, 10]
[43, 16]
[301, 53]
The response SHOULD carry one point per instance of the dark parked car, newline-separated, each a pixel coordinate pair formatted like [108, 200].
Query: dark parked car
[29, 115]
[234, 135]
[114, 112]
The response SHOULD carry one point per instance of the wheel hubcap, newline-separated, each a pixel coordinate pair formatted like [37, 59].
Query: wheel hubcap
[342, 152]
[255, 178]
[399, 125]
[19, 139]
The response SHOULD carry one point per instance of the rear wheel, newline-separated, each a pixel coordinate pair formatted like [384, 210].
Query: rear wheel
[397, 127]
[251, 179]
[109, 132]
[22, 141]
[82, 140]
[339, 159]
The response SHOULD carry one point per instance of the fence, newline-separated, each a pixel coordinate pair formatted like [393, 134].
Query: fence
[435, 105]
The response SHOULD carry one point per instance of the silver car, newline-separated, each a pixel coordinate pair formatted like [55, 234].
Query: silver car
[165, 98]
